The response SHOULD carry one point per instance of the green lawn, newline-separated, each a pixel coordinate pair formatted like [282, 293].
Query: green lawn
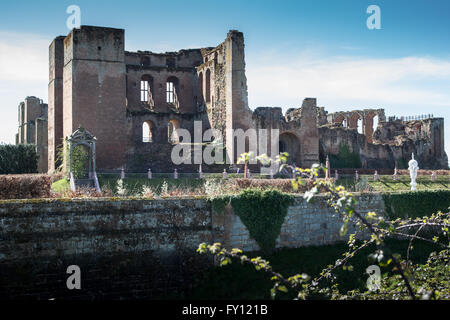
[387, 184]
[61, 185]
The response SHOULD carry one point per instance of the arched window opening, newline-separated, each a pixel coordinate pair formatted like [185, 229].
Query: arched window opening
[147, 90]
[375, 123]
[360, 126]
[208, 86]
[147, 131]
[173, 126]
[340, 119]
[171, 91]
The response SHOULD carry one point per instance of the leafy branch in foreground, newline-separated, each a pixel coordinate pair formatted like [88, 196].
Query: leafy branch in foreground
[404, 280]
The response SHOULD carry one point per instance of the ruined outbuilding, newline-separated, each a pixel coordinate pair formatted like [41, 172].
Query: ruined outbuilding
[33, 129]
[134, 102]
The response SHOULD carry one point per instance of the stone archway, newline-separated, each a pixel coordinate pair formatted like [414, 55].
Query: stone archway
[341, 119]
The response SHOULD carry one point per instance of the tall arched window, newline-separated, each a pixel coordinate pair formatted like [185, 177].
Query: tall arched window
[360, 126]
[147, 90]
[208, 86]
[147, 131]
[173, 125]
[375, 123]
[172, 91]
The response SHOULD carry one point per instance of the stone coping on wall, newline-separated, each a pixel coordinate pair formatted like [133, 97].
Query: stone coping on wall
[162, 198]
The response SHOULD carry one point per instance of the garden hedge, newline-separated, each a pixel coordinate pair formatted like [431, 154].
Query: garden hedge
[17, 159]
[416, 204]
[25, 186]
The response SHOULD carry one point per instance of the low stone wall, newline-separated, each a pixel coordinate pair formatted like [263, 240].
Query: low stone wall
[306, 224]
[134, 248]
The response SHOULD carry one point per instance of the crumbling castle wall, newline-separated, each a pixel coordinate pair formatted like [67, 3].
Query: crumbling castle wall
[391, 144]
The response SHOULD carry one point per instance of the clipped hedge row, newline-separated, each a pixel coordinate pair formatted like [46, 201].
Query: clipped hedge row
[284, 185]
[25, 186]
[17, 159]
[426, 172]
[416, 204]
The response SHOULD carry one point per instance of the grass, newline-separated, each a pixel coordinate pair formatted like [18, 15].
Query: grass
[135, 183]
[243, 282]
[387, 184]
[61, 185]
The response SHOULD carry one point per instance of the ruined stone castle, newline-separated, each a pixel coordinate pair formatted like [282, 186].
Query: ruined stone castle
[133, 102]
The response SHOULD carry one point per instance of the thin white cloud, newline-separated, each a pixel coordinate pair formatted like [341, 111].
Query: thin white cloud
[386, 81]
[23, 72]
[23, 57]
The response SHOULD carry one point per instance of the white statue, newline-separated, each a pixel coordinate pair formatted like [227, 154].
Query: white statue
[413, 167]
[376, 177]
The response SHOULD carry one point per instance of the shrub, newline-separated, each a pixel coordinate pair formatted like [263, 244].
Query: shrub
[25, 186]
[18, 159]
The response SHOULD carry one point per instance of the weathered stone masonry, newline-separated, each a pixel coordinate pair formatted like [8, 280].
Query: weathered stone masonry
[155, 239]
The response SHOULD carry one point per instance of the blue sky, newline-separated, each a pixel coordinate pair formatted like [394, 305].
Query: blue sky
[294, 49]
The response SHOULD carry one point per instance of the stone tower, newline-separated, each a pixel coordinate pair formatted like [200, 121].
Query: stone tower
[94, 90]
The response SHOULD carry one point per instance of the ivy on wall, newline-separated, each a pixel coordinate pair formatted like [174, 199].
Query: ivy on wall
[261, 211]
[80, 160]
[416, 204]
[345, 158]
